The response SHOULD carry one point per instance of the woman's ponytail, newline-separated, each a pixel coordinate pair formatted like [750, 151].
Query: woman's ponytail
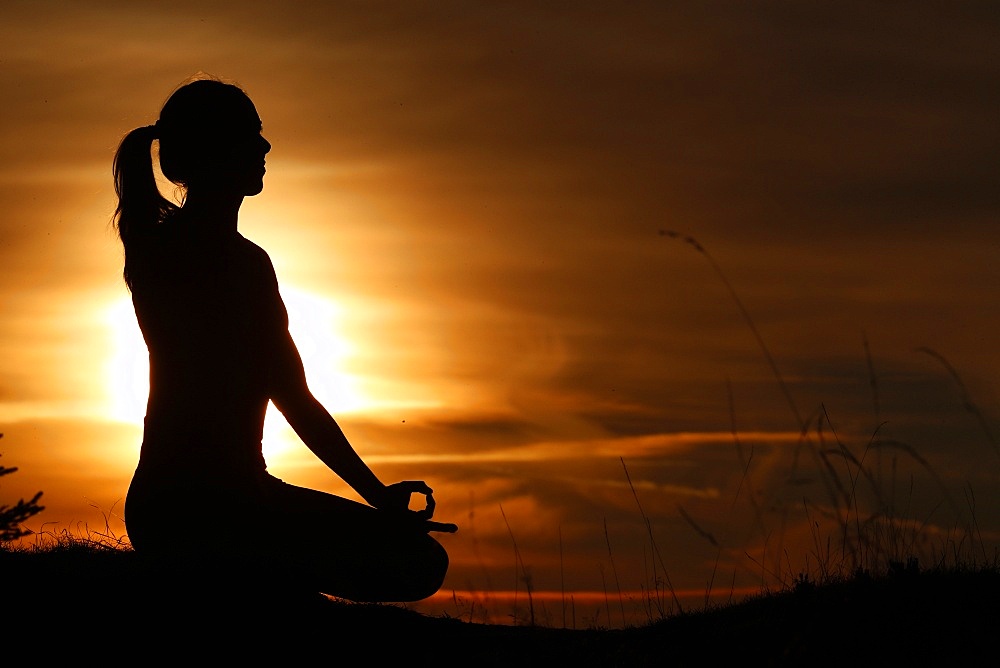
[140, 205]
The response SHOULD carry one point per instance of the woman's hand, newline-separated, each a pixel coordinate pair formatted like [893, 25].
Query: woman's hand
[396, 499]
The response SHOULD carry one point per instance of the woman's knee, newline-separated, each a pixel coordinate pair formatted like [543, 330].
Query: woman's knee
[432, 571]
[439, 558]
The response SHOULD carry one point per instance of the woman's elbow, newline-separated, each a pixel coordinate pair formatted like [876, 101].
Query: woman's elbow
[293, 400]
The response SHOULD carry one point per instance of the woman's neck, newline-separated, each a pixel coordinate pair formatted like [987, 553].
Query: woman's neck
[211, 212]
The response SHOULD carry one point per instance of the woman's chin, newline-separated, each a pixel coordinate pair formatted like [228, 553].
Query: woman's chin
[254, 188]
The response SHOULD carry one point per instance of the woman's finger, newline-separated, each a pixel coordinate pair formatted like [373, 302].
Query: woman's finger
[428, 511]
[418, 486]
[442, 527]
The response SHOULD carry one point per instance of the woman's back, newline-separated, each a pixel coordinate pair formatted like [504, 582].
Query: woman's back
[209, 310]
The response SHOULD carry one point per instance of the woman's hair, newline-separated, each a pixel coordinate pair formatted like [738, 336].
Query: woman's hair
[190, 123]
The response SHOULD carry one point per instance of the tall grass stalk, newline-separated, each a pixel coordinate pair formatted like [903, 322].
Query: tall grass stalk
[691, 241]
[614, 570]
[562, 579]
[518, 561]
[966, 398]
[876, 404]
[654, 548]
[604, 586]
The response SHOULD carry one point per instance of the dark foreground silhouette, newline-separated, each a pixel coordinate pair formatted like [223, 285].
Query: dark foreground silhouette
[211, 313]
[108, 604]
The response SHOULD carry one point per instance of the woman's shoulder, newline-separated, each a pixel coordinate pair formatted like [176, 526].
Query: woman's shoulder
[249, 246]
[255, 261]
[253, 251]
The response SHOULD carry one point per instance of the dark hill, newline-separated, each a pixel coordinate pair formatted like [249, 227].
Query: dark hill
[103, 605]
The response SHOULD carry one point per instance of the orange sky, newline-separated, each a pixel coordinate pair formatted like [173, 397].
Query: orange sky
[464, 206]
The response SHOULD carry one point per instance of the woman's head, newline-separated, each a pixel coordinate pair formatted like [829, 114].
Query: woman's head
[209, 135]
[209, 142]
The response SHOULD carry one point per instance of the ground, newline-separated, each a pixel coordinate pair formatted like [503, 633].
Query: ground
[103, 603]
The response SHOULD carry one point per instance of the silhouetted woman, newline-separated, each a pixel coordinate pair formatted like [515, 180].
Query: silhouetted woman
[208, 306]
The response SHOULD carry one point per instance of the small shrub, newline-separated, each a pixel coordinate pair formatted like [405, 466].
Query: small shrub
[12, 517]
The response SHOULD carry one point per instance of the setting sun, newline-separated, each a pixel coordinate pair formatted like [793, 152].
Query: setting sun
[127, 369]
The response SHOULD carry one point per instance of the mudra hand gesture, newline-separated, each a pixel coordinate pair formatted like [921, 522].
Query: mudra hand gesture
[397, 497]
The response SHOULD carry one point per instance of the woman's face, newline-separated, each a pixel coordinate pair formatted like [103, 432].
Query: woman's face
[234, 162]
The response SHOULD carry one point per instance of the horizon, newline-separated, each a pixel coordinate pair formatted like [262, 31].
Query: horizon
[576, 270]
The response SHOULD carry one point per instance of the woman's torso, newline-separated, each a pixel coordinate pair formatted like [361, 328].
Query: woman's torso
[210, 312]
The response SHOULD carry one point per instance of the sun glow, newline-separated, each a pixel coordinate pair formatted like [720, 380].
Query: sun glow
[127, 368]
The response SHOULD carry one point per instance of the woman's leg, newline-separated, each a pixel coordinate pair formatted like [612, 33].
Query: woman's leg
[351, 550]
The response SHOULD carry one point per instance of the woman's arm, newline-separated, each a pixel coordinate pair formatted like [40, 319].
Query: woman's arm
[317, 428]
[320, 432]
